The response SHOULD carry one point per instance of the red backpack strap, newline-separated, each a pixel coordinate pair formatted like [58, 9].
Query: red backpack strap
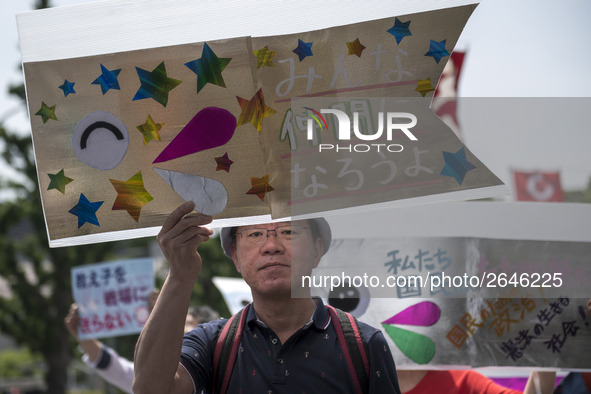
[226, 350]
[351, 341]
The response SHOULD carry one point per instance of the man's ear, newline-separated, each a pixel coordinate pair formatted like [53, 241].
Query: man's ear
[234, 258]
[319, 251]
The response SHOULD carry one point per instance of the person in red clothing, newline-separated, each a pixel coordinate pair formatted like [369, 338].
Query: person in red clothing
[467, 382]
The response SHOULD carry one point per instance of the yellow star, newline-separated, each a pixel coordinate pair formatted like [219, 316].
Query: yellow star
[264, 57]
[424, 86]
[260, 186]
[254, 111]
[150, 130]
[131, 195]
[355, 48]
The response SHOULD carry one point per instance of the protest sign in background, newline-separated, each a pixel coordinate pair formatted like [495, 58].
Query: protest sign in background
[112, 297]
[517, 323]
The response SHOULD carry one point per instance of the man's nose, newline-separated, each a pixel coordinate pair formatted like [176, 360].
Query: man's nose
[272, 244]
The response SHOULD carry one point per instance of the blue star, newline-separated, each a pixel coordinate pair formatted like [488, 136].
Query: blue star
[456, 165]
[437, 50]
[86, 211]
[107, 80]
[399, 30]
[303, 50]
[67, 87]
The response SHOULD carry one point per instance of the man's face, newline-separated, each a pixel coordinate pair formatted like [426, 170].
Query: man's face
[267, 259]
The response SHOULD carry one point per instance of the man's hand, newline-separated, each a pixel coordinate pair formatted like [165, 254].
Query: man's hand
[181, 235]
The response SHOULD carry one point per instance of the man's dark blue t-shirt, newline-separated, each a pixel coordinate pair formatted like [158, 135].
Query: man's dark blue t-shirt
[311, 361]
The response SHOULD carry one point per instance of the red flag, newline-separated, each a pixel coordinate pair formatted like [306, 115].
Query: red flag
[444, 99]
[538, 186]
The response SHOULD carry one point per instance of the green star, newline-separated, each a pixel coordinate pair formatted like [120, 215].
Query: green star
[46, 112]
[59, 181]
[150, 130]
[208, 68]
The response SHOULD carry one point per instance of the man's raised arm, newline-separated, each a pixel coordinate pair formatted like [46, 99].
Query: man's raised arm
[157, 354]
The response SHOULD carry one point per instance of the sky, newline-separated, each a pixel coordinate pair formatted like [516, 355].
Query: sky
[515, 49]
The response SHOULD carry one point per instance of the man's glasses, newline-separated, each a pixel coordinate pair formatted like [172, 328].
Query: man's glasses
[288, 232]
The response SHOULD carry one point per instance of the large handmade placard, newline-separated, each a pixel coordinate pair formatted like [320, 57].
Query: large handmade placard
[112, 297]
[121, 139]
[467, 284]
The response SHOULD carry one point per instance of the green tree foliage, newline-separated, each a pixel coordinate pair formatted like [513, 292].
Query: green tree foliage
[38, 277]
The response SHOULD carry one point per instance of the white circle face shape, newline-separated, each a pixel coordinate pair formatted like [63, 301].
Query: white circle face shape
[100, 140]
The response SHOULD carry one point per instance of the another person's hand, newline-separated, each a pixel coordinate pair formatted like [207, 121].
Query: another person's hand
[72, 320]
[181, 235]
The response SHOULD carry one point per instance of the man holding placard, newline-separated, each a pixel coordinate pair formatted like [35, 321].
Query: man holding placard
[288, 345]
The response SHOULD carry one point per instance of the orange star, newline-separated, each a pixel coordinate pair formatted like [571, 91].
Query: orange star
[131, 195]
[254, 111]
[355, 48]
[260, 186]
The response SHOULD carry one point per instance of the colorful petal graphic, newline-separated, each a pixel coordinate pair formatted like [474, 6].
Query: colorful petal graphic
[456, 165]
[131, 195]
[211, 127]
[260, 186]
[424, 313]
[59, 181]
[417, 347]
[209, 196]
[208, 68]
[254, 110]
[155, 84]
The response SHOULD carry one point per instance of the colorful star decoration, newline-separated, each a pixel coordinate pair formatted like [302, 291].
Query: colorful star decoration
[424, 86]
[208, 68]
[437, 50]
[303, 50]
[67, 87]
[59, 181]
[150, 130]
[131, 195]
[264, 57]
[456, 165]
[108, 79]
[400, 30]
[260, 186]
[355, 48]
[254, 111]
[86, 211]
[223, 163]
[155, 84]
[46, 112]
